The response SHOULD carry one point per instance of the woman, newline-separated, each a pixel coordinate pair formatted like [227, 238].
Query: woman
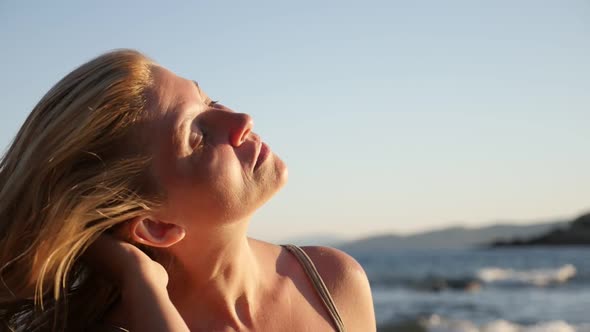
[124, 147]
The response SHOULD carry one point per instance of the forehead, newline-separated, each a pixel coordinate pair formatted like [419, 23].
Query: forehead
[171, 101]
[171, 92]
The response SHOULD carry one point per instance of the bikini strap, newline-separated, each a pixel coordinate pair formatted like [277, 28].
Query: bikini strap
[317, 283]
[107, 327]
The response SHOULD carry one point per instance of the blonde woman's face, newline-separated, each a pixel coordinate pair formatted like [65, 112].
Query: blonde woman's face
[210, 163]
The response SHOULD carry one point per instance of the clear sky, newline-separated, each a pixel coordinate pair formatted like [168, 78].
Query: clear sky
[393, 116]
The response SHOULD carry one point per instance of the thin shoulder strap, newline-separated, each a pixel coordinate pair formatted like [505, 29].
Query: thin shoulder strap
[318, 284]
[107, 327]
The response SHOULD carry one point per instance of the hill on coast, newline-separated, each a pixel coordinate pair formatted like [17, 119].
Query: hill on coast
[450, 238]
[572, 234]
[560, 232]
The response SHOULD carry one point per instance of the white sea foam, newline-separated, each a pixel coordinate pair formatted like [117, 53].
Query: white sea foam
[437, 324]
[539, 277]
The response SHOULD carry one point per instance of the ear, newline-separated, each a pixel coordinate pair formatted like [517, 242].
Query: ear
[155, 233]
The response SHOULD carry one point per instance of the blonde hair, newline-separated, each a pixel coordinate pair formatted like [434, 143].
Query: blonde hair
[71, 173]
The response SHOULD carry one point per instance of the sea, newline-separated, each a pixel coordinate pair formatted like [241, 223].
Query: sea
[533, 289]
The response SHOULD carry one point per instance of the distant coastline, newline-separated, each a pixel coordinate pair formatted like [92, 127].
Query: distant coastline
[541, 233]
[577, 233]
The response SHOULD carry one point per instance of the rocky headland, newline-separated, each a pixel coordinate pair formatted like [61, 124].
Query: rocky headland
[576, 233]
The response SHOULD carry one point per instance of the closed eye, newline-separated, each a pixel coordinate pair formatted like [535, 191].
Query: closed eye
[197, 137]
[197, 140]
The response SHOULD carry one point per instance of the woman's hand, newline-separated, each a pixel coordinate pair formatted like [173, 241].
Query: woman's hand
[124, 263]
[145, 304]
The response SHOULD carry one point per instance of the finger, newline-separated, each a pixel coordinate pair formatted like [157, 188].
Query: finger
[109, 256]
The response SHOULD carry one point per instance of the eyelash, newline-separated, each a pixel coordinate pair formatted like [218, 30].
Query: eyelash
[201, 143]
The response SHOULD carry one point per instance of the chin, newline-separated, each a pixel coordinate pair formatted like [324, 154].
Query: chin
[277, 180]
[282, 173]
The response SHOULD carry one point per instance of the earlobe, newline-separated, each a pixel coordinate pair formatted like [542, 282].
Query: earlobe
[156, 233]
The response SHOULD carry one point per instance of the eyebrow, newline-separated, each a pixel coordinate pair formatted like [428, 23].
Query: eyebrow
[207, 99]
[197, 85]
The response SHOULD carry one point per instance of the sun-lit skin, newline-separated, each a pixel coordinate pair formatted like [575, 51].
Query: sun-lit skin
[204, 160]
[205, 155]
[214, 173]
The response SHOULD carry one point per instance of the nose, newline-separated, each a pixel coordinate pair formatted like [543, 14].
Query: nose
[227, 126]
[241, 125]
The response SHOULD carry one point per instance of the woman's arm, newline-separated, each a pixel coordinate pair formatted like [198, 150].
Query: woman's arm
[145, 304]
[149, 309]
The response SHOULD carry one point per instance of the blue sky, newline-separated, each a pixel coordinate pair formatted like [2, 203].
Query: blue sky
[393, 116]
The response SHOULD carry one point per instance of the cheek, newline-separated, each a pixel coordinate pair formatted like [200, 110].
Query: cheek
[216, 178]
[214, 169]
[215, 197]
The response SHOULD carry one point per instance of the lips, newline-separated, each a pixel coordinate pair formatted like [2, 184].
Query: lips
[262, 155]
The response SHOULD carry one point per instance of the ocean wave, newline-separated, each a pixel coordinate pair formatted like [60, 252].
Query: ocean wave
[436, 323]
[496, 276]
[537, 277]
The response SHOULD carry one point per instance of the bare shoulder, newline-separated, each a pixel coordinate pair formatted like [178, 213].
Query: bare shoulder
[335, 264]
[348, 284]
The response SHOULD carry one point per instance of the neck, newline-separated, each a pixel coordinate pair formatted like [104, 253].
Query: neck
[214, 277]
